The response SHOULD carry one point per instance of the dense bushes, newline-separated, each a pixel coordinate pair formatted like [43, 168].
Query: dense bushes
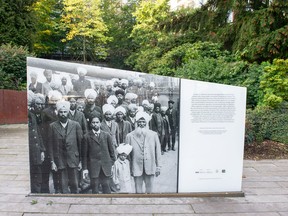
[13, 67]
[266, 124]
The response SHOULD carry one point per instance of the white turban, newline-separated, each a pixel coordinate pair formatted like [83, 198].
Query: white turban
[30, 97]
[90, 92]
[39, 98]
[145, 102]
[63, 105]
[144, 115]
[112, 98]
[164, 108]
[109, 82]
[54, 95]
[132, 107]
[124, 81]
[108, 107]
[130, 96]
[124, 148]
[34, 74]
[81, 70]
[138, 81]
[120, 109]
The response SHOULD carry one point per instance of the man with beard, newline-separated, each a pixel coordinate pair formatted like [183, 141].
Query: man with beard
[91, 109]
[124, 84]
[36, 147]
[124, 126]
[146, 153]
[120, 96]
[112, 99]
[65, 138]
[132, 110]
[76, 115]
[35, 86]
[49, 85]
[98, 157]
[64, 88]
[39, 105]
[110, 126]
[81, 84]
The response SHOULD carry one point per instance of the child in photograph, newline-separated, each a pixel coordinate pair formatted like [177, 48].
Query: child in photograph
[121, 169]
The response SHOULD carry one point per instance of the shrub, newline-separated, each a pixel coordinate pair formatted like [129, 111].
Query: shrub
[266, 124]
[274, 84]
[13, 67]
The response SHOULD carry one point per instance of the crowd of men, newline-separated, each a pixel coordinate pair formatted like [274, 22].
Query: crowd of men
[76, 133]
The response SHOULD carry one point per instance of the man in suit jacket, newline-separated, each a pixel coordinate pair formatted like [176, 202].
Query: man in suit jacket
[36, 149]
[49, 115]
[109, 125]
[98, 157]
[173, 122]
[124, 126]
[82, 83]
[131, 113]
[50, 84]
[91, 109]
[146, 153]
[77, 116]
[65, 148]
[35, 86]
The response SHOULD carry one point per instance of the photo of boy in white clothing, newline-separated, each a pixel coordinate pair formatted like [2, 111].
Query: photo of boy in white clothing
[121, 170]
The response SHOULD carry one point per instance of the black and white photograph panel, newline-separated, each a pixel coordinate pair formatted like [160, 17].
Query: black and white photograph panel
[97, 130]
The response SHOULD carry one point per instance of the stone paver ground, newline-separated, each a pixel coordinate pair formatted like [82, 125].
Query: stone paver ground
[265, 184]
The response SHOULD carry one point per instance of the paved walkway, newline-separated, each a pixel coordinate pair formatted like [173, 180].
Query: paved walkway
[265, 184]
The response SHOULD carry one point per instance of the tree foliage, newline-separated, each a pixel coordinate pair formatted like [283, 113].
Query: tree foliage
[120, 21]
[13, 66]
[274, 84]
[48, 27]
[17, 22]
[83, 22]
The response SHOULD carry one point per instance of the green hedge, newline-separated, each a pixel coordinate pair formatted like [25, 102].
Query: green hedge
[13, 67]
[266, 124]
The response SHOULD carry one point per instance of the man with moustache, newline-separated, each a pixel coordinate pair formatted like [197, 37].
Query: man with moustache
[36, 147]
[49, 85]
[82, 83]
[65, 138]
[91, 109]
[120, 94]
[132, 110]
[146, 153]
[77, 116]
[35, 86]
[109, 125]
[124, 126]
[64, 88]
[98, 157]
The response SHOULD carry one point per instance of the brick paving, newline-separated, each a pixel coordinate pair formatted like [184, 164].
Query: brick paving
[265, 185]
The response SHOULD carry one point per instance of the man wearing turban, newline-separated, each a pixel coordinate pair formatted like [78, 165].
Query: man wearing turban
[124, 126]
[65, 138]
[82, 83]
[91, 109]
[109, 125]
[146, 153]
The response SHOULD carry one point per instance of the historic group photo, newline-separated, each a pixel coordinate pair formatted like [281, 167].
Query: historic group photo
[92, 131]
